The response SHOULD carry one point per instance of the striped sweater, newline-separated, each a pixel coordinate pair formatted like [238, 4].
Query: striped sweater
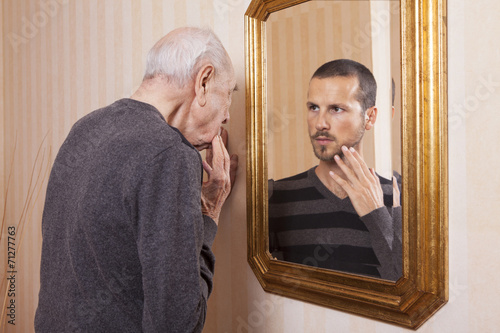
[309, 225]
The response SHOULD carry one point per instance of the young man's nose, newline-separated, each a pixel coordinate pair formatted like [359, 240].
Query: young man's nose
[321, 122]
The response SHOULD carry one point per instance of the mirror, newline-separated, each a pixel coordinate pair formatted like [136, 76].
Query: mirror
[417, 63]
[308, 223]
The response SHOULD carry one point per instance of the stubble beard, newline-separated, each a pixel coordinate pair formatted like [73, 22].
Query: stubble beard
[322, 154]
[321, 151]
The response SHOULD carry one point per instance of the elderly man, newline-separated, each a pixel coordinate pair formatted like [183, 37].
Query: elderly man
[128, 224]
[340, 214]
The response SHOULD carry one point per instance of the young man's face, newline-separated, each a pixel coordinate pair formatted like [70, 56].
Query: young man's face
[335, 117]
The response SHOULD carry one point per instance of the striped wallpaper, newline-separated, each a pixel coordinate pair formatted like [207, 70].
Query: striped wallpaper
[2, 127]
[84, 54]
[65, 58]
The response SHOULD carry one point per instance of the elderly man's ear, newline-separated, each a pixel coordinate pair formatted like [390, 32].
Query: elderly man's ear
[370, 117]
[203, 83]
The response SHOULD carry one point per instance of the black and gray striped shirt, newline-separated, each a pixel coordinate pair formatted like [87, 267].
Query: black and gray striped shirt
[310, 225]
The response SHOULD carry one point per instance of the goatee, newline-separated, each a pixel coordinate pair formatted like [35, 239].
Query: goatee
[322, 150]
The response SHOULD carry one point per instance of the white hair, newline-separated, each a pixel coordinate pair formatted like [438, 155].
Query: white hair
[180, 54]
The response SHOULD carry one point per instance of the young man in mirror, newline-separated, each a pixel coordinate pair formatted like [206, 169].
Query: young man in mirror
[339, 214]
[128, 225]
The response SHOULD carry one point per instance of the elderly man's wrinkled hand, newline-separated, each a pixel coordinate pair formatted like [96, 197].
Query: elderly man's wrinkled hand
[221, 171]
[395, 193]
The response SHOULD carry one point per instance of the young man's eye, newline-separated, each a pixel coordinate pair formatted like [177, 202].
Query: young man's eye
[337, 109]
[313, 108]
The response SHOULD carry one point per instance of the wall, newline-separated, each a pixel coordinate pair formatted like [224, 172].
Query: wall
[2, 130]
[81, 55]
[474, 190]
[3, 259]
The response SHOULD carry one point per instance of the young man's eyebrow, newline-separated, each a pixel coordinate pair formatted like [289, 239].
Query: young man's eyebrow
[330, 106]
[338, 105]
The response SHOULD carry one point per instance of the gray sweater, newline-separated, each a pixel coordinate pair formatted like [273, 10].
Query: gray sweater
[125, 245]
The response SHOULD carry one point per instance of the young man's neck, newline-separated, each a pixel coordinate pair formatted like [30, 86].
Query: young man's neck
[323, 172]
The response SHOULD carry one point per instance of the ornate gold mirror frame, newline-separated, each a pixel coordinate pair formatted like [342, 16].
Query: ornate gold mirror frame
[423, 289]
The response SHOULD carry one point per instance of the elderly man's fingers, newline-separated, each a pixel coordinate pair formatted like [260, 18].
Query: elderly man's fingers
[233, 168]
[209, 154]
[395, 193]
[216, 156]
[225, 156]
[220, 173]
[208, 169]
[224, 135]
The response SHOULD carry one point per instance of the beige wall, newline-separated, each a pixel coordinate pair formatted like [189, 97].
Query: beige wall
[2, 130]
[89, 53]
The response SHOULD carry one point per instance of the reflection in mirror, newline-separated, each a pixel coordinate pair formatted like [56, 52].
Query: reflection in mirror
[345, 221]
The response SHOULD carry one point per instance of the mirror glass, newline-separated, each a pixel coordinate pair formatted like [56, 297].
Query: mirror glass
[308, 224]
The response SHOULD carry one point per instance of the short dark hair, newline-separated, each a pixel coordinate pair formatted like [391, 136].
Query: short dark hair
[367, 90]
